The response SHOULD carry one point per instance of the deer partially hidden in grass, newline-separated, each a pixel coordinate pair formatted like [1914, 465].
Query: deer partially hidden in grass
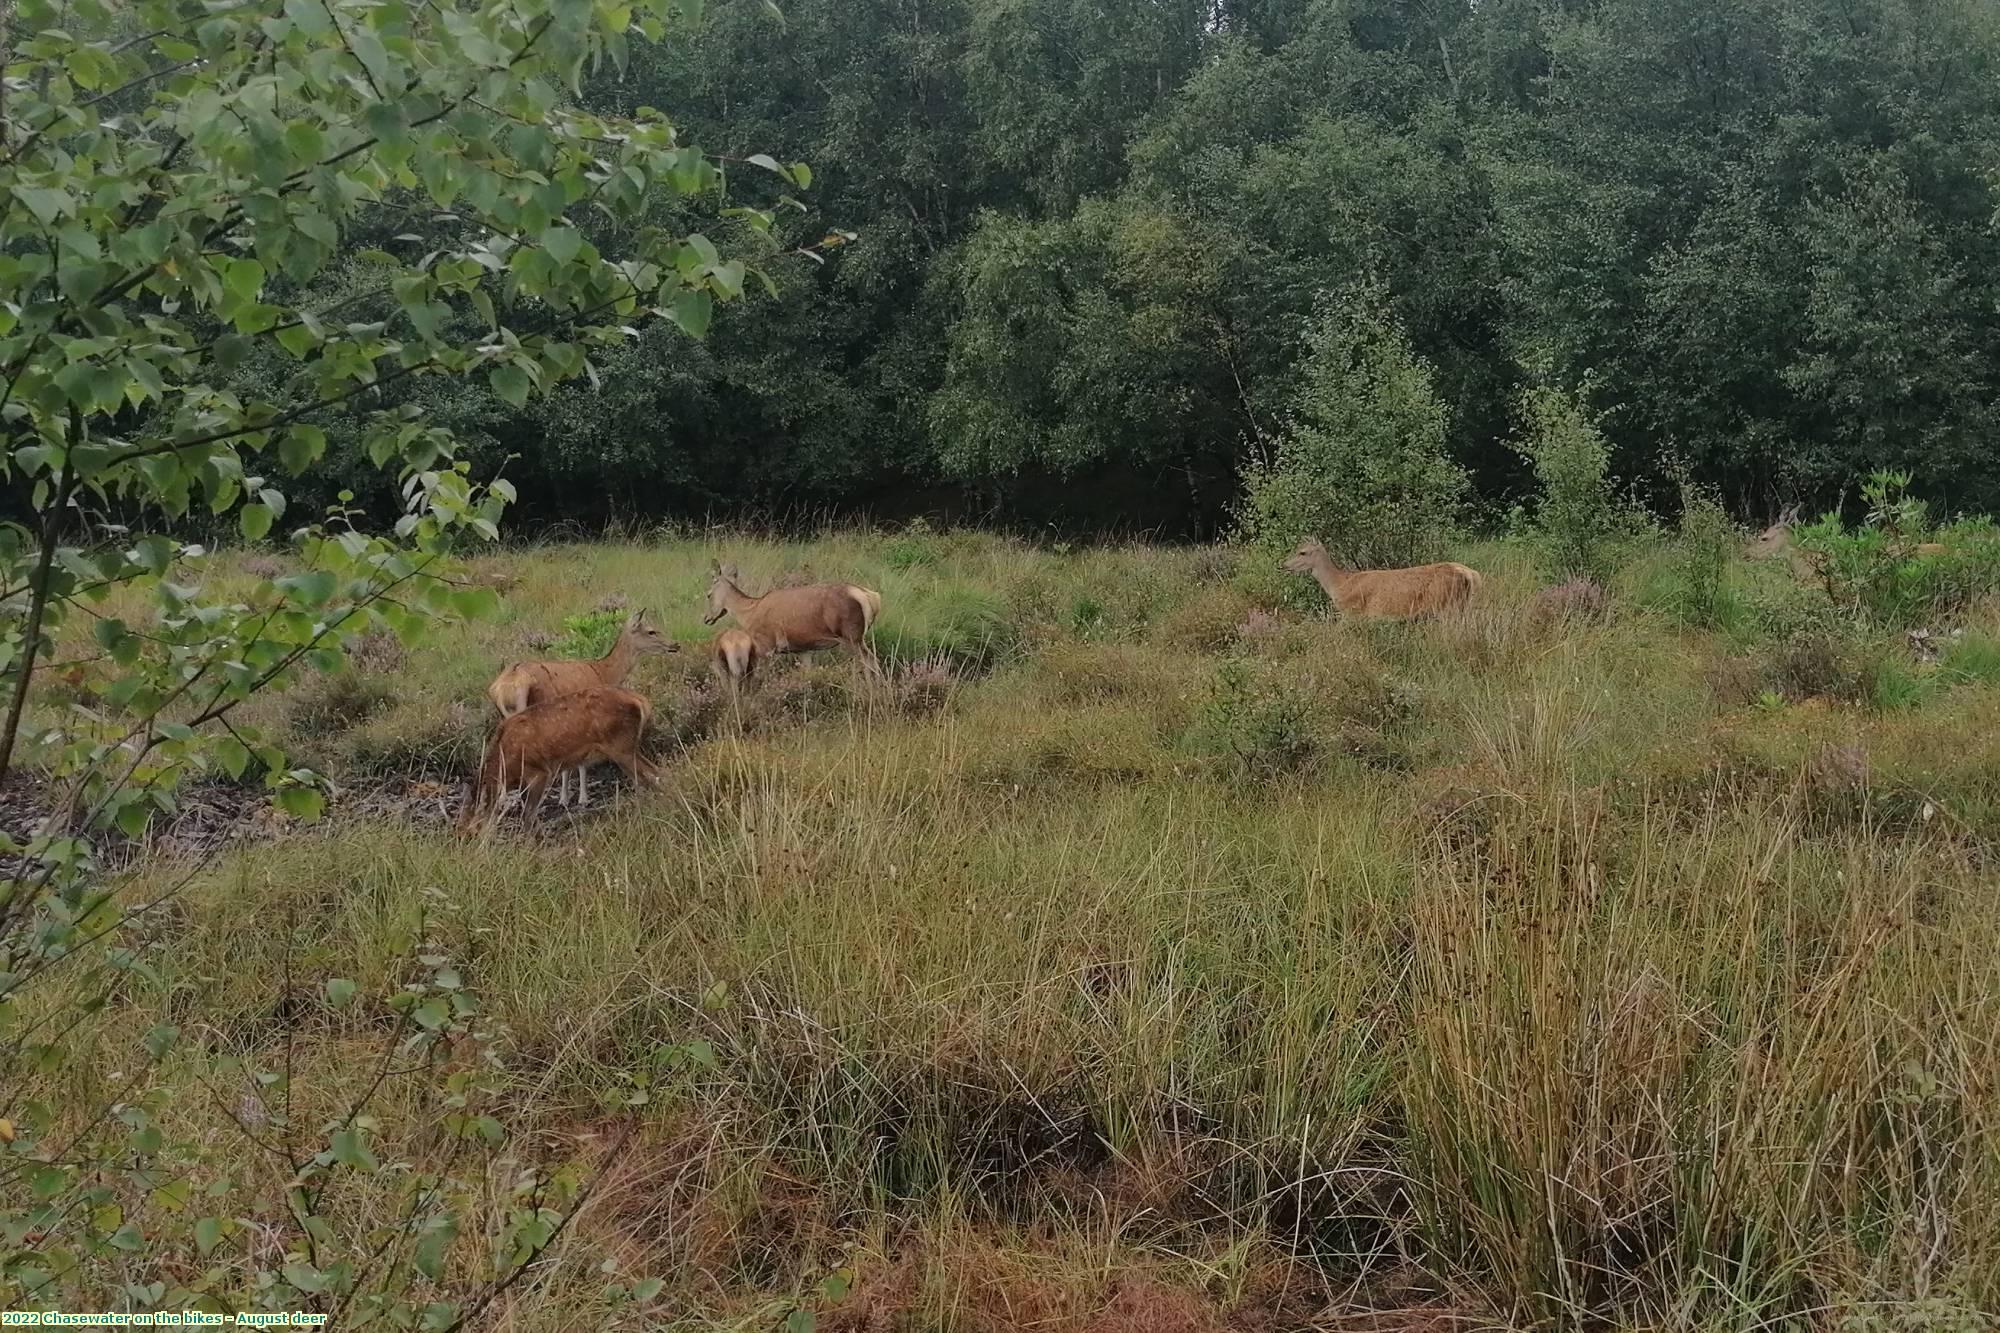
[1416, 591]
[529, 749]
[1777, 540]
[525, 684]
[797, 620]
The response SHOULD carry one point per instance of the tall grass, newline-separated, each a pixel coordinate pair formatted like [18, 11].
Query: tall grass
[1610, 1001]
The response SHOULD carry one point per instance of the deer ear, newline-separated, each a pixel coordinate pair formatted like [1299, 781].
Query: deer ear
[729, 572]
[715, 566]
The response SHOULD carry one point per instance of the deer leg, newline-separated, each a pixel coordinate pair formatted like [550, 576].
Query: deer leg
[582, 785]
[531, 797]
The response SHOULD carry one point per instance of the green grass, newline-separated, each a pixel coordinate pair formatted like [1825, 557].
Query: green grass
[1181, 949]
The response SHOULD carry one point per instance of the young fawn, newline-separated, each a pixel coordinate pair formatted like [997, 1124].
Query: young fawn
[1416, 591]
[798, 620]
[525, 684]
[531, 747]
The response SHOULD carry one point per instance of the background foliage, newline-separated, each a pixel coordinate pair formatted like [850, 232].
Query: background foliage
[1091, 238]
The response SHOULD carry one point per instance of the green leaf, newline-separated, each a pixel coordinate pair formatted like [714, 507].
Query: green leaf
[432, 1014]
[562, 243]
[311, 588]
[349, 1149]
[647, 1289]
[339, 992]
[432, 1249]
[301, 802]
[207, 1235]
[801, 1321]
[298, 340]
[132, 818]
[254, 520]
[475, 603]
[46, 204]
[511, 383]
[301, 448]
[691, 311]
[244, 278]
[233, 755]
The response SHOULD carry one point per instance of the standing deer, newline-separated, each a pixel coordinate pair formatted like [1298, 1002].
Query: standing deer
[1416, 591]
[798, 620]
[525, 684]
[733, 657]
[531, 747]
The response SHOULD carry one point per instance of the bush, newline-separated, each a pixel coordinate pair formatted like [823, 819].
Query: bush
[1363, 463]
[1261, 723]
[590, 634]
[1705, 547]
[1880, 569]
[1579, 523]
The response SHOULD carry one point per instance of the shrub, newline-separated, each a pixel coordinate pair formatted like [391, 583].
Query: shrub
[1971, 659]
[590, 634]
[1579, 523]
[1259, 722]
[1817, 662]
[1877, 570]
[1574, 599]
[913, 548]
[1362, 463]
[1705, 547]
[328, 705]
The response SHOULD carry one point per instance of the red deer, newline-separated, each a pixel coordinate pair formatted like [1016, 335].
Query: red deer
[530, 748]
[1777, 540]
[798, 620]
[525, 684]
[1419, 590]
[733, 657]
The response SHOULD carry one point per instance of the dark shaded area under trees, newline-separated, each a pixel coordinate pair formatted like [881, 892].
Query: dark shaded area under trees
[1758, 235]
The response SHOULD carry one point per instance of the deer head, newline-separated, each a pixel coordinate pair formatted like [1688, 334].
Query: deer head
[1310, 555]
[645, 636]
[722, 583]
[1774, 538]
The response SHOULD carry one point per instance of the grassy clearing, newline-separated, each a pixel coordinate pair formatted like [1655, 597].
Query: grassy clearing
[1143, 958]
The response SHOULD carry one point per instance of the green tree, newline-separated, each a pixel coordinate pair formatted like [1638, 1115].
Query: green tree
[176, 179]
[1363, 463]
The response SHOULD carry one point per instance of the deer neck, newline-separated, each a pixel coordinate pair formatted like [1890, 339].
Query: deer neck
[1330, 575]
[737, 602]
[615, 665]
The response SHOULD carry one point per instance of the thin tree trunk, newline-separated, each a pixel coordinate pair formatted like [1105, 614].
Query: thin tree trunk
[38, 602]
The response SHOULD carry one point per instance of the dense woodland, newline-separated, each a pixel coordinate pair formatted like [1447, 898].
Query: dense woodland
[1755, 236]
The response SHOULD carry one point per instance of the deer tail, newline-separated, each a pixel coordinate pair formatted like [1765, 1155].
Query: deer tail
[871, 605]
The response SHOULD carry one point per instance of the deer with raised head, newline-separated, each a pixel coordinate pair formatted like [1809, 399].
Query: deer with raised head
[525, 684]
[1417, 591]
[798, 620]
[733, 657]
[529, 749]
[1777, 540]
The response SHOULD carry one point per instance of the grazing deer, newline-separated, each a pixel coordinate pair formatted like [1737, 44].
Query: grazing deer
[573, 731]
[525, 684]
[733, 657]
[1417, 591]
[798, 620]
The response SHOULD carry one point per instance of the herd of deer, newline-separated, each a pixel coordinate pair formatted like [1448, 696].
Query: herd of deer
[562, 717]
